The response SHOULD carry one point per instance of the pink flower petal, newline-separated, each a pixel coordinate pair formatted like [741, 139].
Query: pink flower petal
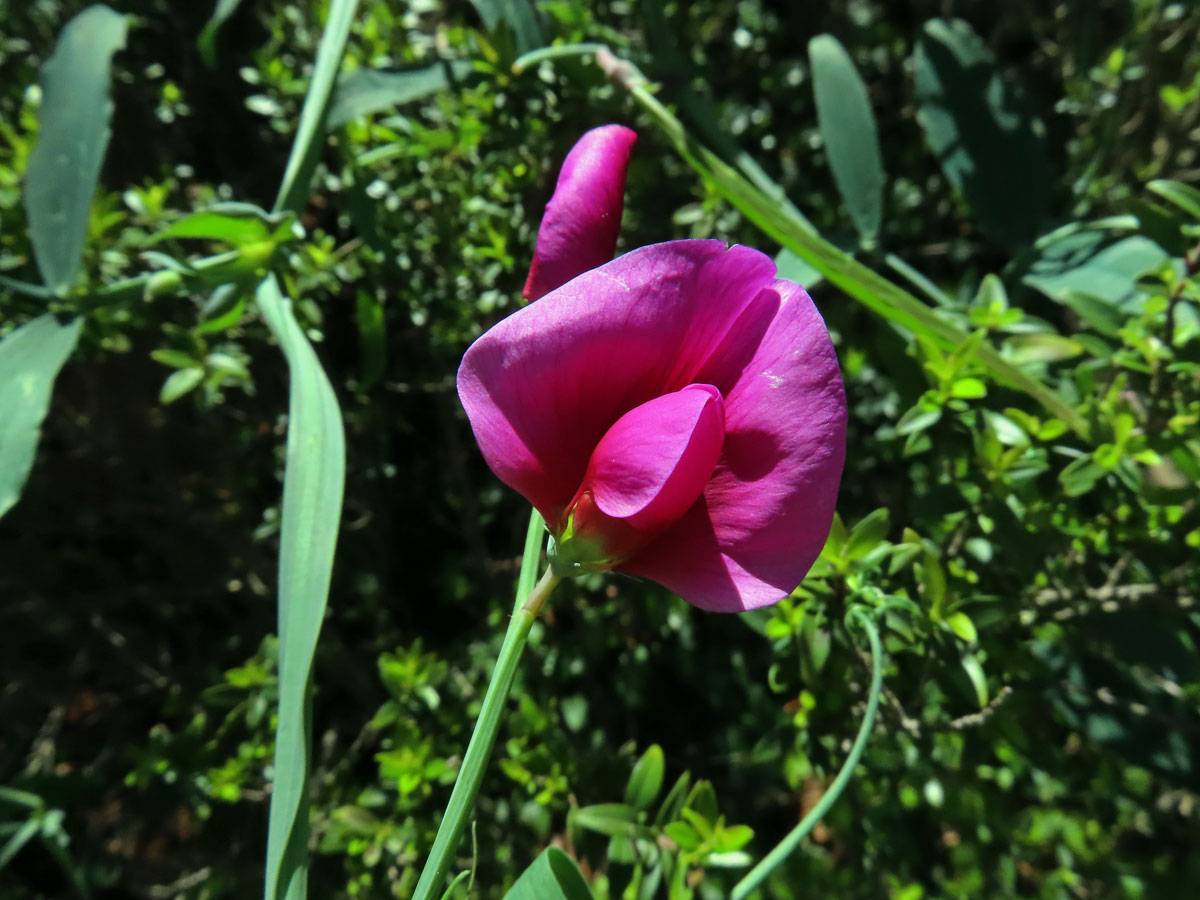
[543, 386]
[583, 217]
[656, 460]
[768, 507]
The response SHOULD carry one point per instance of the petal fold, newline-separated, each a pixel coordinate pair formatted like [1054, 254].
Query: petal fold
[580, 226]
[656, 460]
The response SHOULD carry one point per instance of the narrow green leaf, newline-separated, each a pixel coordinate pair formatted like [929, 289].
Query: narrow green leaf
[236, 230]
[314, 478]
[669, 810]
[28, 829]
[646, 779]
[519, 15]
[612, 819]
[310, 134]
[974, 670]
[206, 42]
[365, 91]
[1182, 195]
[30, 359]
[849, 133]
[24, 287]
[552, 876]
[981, 129]
[73, 134]
[179, 383]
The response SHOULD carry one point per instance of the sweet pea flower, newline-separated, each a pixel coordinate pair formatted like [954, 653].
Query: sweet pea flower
[676, 414]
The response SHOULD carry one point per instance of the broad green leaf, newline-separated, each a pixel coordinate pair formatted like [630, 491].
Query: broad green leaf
[1085, 264]
[790, 266]
[206, 42]
[981, 130]
[519, 15]
[73, 134]
[553, 876]
[365, 91]
[848, 131]
[1100, 314]
[30, 359]
[314, 478]
[646, 779]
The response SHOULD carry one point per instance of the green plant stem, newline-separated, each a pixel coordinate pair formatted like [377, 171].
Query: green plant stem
[787, 846]
[534, 537]
[466, 786]
[533, 57]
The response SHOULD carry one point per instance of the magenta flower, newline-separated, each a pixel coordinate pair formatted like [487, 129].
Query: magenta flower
[579, 230]
[676, 413]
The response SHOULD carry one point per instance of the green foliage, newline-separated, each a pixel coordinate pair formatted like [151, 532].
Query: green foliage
[73, 133]
[981, 130]
[1034, 587]
[849, 134]
[30, 358]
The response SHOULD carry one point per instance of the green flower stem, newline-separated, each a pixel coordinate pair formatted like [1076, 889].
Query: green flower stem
[534, 538]
[558, 51]
[462, 798]
[787, 846]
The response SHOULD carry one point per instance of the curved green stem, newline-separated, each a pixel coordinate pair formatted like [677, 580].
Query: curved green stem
[533, 57]
[466, 786]
[787, 846]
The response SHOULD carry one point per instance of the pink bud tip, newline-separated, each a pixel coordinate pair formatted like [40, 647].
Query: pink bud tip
[579, 229]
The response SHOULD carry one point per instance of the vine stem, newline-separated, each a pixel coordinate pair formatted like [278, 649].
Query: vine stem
[787, 846]
[479, 749]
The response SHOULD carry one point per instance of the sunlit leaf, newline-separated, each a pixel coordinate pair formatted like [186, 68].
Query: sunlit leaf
[365, 91]
[30, 359]
[848, 131]
[73, 134]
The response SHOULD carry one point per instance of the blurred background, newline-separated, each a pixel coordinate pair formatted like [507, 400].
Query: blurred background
[1038, 733]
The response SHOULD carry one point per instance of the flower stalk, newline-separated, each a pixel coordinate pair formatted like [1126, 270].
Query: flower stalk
[479, 749]
[788, 845]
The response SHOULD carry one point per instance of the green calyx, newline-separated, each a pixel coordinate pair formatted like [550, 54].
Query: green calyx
[572, 554]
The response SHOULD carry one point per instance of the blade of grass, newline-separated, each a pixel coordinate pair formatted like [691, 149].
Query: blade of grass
[312, 503]
[314, 480]
[73, 135]
[30, 359]
[310, 134]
